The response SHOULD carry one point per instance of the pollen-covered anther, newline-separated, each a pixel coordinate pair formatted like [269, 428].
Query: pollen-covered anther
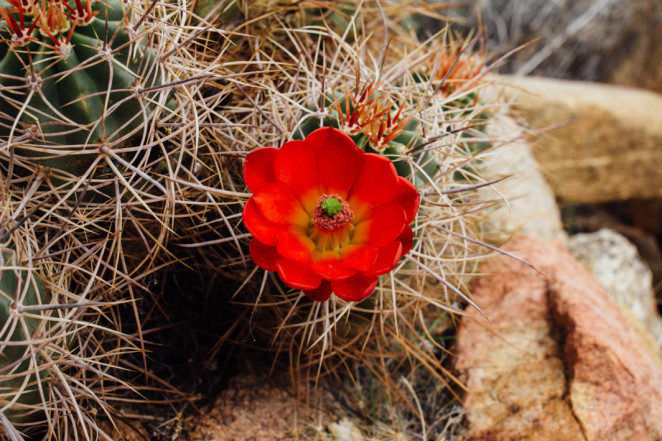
[328, 218]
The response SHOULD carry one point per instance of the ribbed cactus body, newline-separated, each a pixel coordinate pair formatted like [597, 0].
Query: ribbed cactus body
[74, 96]
[19, 288]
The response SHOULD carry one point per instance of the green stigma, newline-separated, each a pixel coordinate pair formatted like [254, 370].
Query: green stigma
[331, 206]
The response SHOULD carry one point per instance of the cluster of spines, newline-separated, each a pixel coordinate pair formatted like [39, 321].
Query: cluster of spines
[51, 18]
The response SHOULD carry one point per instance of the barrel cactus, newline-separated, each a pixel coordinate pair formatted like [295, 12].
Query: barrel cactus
[375, 99]
[58, 349]
[21, 369]
[102, 106]
[75, 77]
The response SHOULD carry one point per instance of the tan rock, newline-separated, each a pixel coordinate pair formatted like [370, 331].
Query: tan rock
[530, 206]
[559, 361]
[598, 142]
[616, 384]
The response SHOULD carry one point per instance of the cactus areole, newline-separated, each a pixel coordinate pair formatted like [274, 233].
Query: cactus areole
[74, 77]
[327, 216]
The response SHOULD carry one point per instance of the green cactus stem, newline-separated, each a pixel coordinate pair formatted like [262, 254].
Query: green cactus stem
[75, 76]
[19, 287]
[223, 10]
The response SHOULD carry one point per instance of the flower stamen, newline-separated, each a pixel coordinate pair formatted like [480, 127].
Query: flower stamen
[332, 212]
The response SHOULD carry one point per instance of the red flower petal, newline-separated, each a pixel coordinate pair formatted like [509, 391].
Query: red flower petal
[295, 247]
[407, 240]
[263, 255]
[386, 260]
[355, 288]
[330, 265]
[361, 257]
[297, 275]
[296, 166]
[409, 198]
[339, 161]
[320, 294]
[277, 203]
[258, 225]
[259, 168]
[382, 226]
[376, 184]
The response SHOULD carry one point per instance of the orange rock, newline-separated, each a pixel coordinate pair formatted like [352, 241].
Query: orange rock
[559, 361]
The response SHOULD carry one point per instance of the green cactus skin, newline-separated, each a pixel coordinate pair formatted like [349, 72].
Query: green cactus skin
[227, 10]
[410, 140]
[76, 85]
[13, 281]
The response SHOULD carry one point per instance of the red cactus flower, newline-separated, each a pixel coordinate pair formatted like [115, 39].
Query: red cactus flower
[327, 216]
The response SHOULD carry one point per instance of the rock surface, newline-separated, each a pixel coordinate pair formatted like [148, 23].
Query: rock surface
[531, 207]
[615, 264]
[559, 361]
[598, 142]
[345, 430]
[625, 218]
